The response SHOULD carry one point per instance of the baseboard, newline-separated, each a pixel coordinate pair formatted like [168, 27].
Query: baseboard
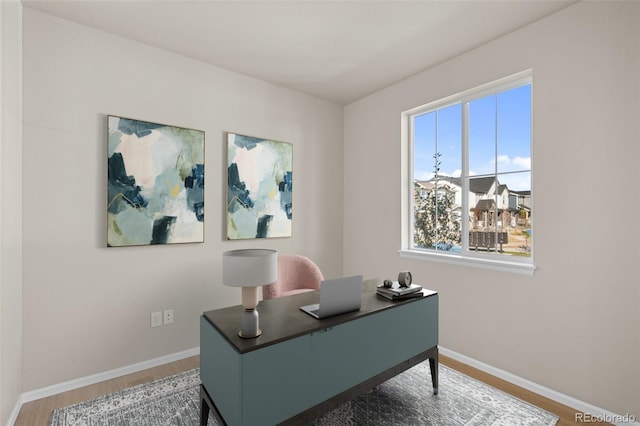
[608, 416]
[16, 410]
[107, 375]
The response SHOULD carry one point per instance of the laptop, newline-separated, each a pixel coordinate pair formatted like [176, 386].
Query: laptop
[337, 296]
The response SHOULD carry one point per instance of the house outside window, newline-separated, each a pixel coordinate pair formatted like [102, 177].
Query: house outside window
[467, 177]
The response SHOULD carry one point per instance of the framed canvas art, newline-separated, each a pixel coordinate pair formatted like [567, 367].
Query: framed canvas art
[259, 188]
[155, 183]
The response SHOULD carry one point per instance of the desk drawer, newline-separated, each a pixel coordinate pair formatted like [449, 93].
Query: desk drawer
[276, 381]
[350, 353]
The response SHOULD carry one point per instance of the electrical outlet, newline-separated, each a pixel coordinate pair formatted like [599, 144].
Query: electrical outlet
[168, 316]
[156, 319]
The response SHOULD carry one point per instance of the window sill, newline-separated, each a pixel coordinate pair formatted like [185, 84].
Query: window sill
[455, 259]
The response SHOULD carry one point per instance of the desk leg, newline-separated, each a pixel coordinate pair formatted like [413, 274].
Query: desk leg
[433, 365]
[206, 405]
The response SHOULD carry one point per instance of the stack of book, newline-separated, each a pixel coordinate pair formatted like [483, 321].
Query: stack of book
[395, 292]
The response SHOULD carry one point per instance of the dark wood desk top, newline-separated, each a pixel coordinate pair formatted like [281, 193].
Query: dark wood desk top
[281, 318]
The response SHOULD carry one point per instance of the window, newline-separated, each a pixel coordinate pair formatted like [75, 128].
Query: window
[468, 176]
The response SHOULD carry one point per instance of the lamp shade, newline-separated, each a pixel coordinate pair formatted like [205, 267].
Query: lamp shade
[249, 267]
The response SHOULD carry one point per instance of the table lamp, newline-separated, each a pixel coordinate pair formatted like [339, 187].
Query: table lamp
[249, 268]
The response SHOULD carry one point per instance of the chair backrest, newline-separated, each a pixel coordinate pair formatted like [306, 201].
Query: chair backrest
[296, 274]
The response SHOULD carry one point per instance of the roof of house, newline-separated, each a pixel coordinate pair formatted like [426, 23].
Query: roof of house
[485, 205]
[481, 185]
[477, 185]
[431, 184]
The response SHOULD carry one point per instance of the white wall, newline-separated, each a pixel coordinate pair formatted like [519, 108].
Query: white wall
[87, 307]
[574, 326]
[10, 206]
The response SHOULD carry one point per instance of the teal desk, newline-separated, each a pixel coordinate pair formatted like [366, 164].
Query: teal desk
[301, 367]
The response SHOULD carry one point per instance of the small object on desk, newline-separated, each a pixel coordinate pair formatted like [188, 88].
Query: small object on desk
[337, 296]
[412, 295]
[398, 290]
[404, 279]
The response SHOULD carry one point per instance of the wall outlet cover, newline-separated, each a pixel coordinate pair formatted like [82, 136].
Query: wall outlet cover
[168, 316]
[156, 319]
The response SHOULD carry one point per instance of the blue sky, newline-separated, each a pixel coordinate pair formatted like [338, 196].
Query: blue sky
[513, 110]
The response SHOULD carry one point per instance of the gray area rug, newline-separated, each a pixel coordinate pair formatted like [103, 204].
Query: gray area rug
[406, 399]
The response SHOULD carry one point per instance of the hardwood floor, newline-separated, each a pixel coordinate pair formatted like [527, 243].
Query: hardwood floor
[37, 413]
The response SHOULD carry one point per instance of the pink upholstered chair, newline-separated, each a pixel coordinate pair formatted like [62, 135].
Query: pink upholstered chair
[296, 274]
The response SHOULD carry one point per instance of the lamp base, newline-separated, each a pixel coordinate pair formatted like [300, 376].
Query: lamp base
[250, 324]
[249, 337]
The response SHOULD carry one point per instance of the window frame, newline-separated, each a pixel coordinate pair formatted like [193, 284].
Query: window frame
[466, 257]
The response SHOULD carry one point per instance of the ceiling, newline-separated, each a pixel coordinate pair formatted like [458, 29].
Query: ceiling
[337, 50]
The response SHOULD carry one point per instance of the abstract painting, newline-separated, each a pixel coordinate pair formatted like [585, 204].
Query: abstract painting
[155, 184]
[259, 188]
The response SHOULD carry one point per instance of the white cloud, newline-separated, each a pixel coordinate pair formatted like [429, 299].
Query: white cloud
[516, 163]
[524, 162]
[517, 181]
